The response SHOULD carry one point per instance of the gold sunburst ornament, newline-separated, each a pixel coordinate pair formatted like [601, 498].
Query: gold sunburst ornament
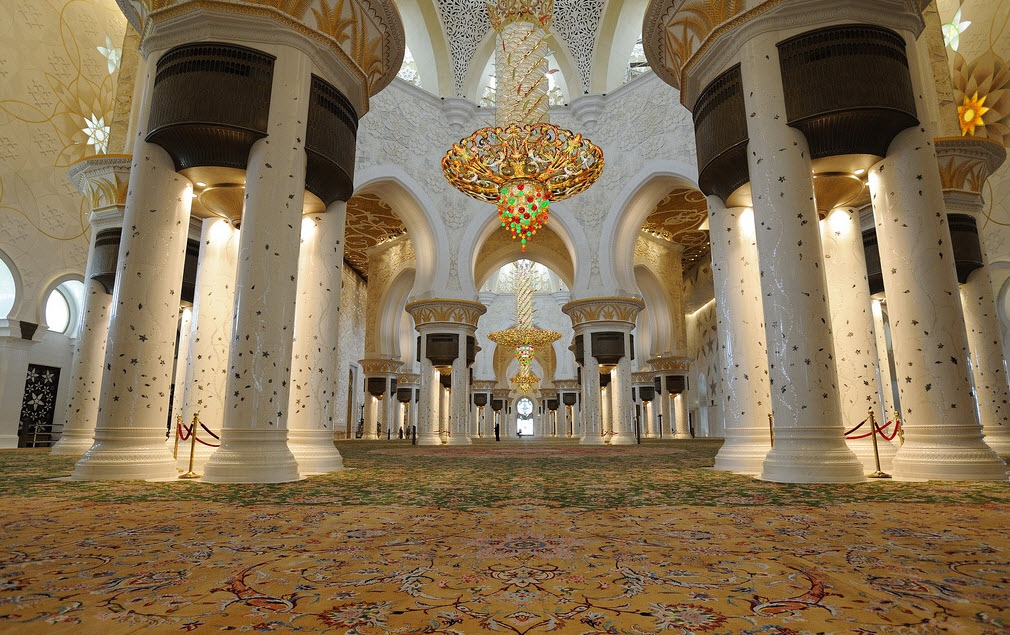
[970, 113]
[523, 162]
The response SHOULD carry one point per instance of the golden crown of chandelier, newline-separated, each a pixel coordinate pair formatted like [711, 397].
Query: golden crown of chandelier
[523, 162]
[524, 339]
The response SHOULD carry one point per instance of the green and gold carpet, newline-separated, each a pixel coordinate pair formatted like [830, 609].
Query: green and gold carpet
[516, 537]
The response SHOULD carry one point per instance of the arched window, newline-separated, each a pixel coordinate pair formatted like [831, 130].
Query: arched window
[524, 417]
[637, 64]
[63, 307]
[408, 70]
[8, 290]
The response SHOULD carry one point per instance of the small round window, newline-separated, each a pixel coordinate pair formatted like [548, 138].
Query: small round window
[63, 307]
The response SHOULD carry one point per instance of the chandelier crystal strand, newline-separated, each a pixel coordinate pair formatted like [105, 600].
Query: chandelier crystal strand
[523, 162]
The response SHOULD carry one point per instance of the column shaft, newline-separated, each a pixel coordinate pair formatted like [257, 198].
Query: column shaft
[809, 443]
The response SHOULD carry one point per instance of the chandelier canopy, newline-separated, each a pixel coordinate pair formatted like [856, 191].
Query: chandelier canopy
[523, 162]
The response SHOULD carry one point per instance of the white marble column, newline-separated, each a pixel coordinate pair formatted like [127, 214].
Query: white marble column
[592, 402]
[459, 395]
[213, 304]
[134, 406]
[428, 410]
[181, 359]
[680, 410]
[13, 376]
[649, 415]
[853, 332]
[254, 436]
[372, 407]
[988, 366]
[883, 362]
[943, 436]
[89, 351]
[809, 440]
[317, 318]
[620, 393]
[741, 333]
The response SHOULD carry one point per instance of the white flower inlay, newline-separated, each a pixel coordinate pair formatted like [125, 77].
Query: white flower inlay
[111, 53]
[952, 30]
[98, 133]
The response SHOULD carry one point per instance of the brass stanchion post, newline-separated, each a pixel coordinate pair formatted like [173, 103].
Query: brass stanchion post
[192, 448]
[901, 428]
[876, 452]
[771, 429]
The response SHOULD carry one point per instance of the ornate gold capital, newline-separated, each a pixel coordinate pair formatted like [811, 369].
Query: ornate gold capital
[643, 377]
[966, 162]
[408, 380]
[501, 393]
[567, 385]
[380, 366]
[445, 311]
[603, 310]
[484, 385]
[103, 179]
[663, 364]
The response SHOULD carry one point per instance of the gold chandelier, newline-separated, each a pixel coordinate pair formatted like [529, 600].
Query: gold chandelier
[523, 162]
[524, 339]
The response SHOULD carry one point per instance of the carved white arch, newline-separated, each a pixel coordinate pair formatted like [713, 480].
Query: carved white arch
[389, 322]
[620, 28]
[561, 223]
[660, 309]
[416, 209]
[19, 294]
[628, 212]
[426, 40]
[40, 301]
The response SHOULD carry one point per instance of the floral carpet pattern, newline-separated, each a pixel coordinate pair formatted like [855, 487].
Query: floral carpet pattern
[516, 538]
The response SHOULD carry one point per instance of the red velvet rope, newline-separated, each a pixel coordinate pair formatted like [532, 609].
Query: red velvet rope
[879, 429]
[183, 431]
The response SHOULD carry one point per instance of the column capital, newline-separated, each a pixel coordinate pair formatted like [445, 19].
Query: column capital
[382, 366]
[568, 385]
[485, 385]
[642, 378]
[662, 365]
[501, 393]
[965, 163]
[445, 312]
[103, 180]
[408, 380]
[611, 312]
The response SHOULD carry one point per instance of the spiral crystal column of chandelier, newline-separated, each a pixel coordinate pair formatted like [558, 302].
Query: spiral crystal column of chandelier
[523, 162]
[525, 339]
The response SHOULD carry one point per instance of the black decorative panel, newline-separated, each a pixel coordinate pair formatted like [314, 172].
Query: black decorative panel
[445, 380]
[404, 395]
[28, 329]
[189, 270]
[392, 388]
[376, 386]
[658, 384]
[211, 102]
[471, 352]
[552, 404]
[497, 404]
[646, 393]
[442, 348]
[106, 256]
[604, 380]
[38, 407]
[568, 398]
[964, 240]
[480, 399]
[608, 346]
[329, 143]
[417, 350]
[720, 134]
[580, 350]
[847, 88]
[676, 384]
[871, 252]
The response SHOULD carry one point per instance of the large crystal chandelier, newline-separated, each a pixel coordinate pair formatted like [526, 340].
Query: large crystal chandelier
[523, 162]
[524, 339]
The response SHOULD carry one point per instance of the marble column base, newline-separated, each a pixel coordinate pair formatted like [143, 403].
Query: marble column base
[790, 461]
[126, 454]
[623, 439]
[252, 456]
[682, 435]
[918, 462]
[863, 449]
[201, 455]
[742, 457]
[314, 451]
[458, 439]
[999, 445]
[593, 440]
[8, 441]
[431, 438]
[74, 443]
